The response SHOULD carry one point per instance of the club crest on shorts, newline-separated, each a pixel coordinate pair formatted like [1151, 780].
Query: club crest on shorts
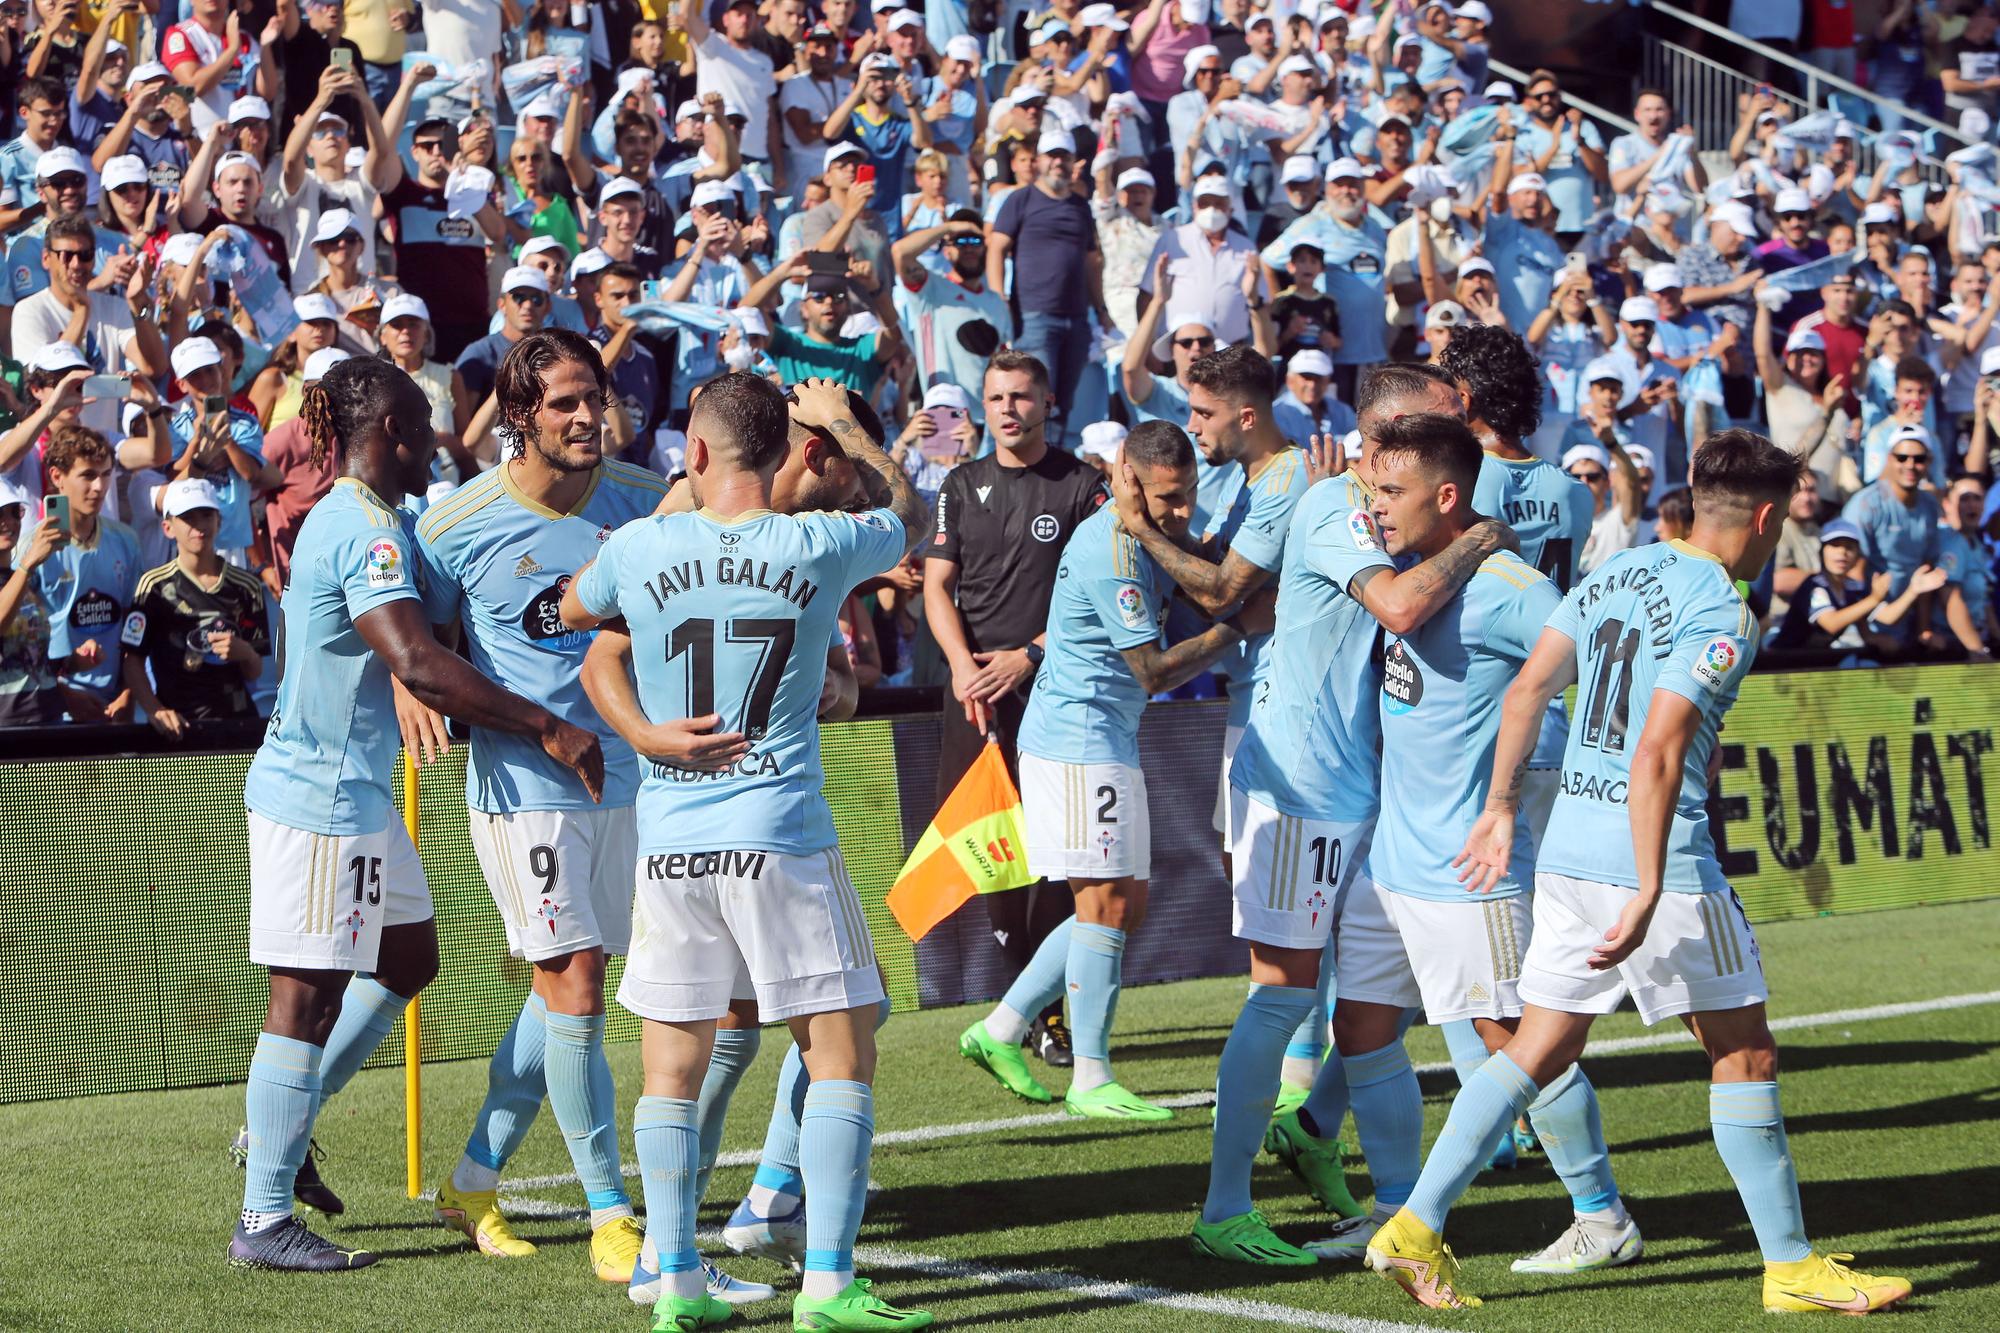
[1315, 904]
[385, 564]
[1712, 668]
[356, 923]
[1107, 840]
[548, 912]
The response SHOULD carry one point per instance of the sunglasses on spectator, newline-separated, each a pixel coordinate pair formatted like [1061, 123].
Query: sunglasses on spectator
[1912, 460]
[67, 180]
[330, 132]
[528, 298]
[1194, 342]
[838, 298]
[74, 256]
[1588, 475]
[340, 242]
[1546, 95]
[427, 145]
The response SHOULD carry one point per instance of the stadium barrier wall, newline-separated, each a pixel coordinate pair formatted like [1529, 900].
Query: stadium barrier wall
[122, 942]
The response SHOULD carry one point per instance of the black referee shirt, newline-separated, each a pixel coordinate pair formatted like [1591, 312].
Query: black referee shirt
[1005, 529]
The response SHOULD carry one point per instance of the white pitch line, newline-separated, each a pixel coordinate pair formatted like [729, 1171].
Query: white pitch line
[1128, 1293]
[1679, 1036]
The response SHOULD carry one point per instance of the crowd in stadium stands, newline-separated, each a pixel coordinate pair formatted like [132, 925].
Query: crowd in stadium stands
[206, 204]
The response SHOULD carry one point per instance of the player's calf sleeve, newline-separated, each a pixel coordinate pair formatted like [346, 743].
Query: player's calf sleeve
[1566, 1119]
[1490, 1101]
[1040, 984]
[836, 1138]
[278, 1104]
[669, 1148]
[589, 1120]
[1465, 1046]
[1388, 1119]
[367, 1011]
[515, 1085]
[1246, 1085]
[735, 1049]
[1096, 966]
[1750, 1135]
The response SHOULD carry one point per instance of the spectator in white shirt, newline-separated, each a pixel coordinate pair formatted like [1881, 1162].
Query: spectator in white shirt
[1206, 259]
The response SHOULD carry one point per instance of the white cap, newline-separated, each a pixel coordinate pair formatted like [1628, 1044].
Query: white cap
[58, 160]
[125, 169]
[709, 193]
[963, 47]
[1808, 340]
[1664, 278]
[1101, 16]
[333, 223]
[593, 260]
[884, 6]
[1178, 318]
[1641, 456]
[1052, 28]
[1310, 361]
[1056, 140]
[1025, 95]
[1879, 214]
[1586, 453]
[1212, 183]
[843, 149]
[1299, 168]
[1345, 169]
[1259, 16]
[315, 305]
[146, 72]
[544, 107]
[58, 356]
[537, 244]
[1845, 129]
[1792, 201]
[1477, 264]
[1603, 368]
[525, 275]
[1445, 315]
[1989, 361]
[1192, 61]
[905, 18]
[947, 395]
[1501, 91]
[617, 187]
[689, 110]
[1639, 310]
[192, 354]
[179, 249]
[11, 494]
[1475, 10]
[405, 305]
[751, 320]
[326, 116]
[1135, 176]
[325, 359]
[228, 160]
[1903, 434]
[187, 495]
[1359, 25]
[1298, 65]
[1528, 182]
[249, 108]
[1103, 439]
[1738, 217]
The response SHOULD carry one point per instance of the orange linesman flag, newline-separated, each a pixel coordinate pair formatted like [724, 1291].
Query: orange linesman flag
[973, 846]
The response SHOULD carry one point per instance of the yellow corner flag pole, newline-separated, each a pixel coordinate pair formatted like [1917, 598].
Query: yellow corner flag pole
[413, 1057]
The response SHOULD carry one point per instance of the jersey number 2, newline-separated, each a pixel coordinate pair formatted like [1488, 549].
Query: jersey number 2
[773, 641]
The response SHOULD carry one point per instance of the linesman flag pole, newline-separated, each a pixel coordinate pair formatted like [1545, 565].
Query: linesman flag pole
[413, 1045]
[974, 846]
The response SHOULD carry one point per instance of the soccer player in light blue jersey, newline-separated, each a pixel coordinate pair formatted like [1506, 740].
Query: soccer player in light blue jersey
[495, 558]
[731, 610]
[1629, 897]
[1413, 936]
[335, 886]
[1302, 809]
[1082, 792]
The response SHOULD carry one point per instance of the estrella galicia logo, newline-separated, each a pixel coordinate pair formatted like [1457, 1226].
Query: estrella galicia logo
[542, 619]
[1402, 683]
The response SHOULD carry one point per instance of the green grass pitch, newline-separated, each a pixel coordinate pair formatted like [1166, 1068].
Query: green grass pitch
[115, 1211]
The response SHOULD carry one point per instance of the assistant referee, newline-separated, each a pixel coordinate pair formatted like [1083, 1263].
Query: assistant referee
[1002, 523]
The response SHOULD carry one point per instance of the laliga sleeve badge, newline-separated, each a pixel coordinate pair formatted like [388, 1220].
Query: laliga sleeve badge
[1132, 607]
[1717, 660]
[385, 564]
[1362, 529]
[134, 632]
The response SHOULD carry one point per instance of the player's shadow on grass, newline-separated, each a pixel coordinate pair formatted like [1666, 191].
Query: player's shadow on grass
[1058, 1195]
[1933, 1113]
[1640, 1069]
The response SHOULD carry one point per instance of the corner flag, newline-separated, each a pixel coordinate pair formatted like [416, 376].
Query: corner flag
[972, 846]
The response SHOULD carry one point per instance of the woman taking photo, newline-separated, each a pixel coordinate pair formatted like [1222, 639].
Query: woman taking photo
[28, 693]
[406, 336]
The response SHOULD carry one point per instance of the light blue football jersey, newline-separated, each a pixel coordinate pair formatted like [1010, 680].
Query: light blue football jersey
[1252, 517]
[1109, 596]
[499, 561]
[1442, 684]
[1659, 617]
[89, 589]
[1550, 512]
[329, 753]
[734, 616]
[1310, 747]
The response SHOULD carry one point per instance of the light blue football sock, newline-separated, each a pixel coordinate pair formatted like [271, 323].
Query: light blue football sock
[1750, 1135]
[279, 1105]
[1465, 1046]
[515, 1084]
[778, 1167]
[1039, 986]
[368, 1010]
[1246, 1085]
[1309, 1040]
[1566, 1120]
[1489, 1102]
[734, 1050]
[836, 1137]
[585, 1110]
[1096, 968]
[1388, 1119]
[669, 1148]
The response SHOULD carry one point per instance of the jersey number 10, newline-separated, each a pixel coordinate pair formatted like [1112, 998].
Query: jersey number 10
[772, 640]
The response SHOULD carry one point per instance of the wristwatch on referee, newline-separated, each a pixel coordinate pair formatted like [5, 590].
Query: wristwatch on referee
[1035, 654]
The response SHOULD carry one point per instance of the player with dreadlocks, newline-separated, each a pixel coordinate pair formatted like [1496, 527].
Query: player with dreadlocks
[339, 909]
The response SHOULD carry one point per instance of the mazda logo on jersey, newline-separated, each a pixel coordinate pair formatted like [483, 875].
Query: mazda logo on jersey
[543, 617]
[1402, 683]
[1045, 528]
[94, 610]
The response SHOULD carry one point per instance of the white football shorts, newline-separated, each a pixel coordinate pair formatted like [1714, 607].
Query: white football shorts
[562, 879]
[1289, 874]
[321, 900]
[1086, 822]
[1456, 959]
[1231, 738]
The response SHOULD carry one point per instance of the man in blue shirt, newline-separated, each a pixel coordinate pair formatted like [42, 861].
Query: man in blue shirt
[1082, 791]
[89, 581]
[524, 306]
[738, 868]
[1308, 405]
[1525, 257]
[335, 885]
[1629, 896]
[1899, 523]
[886, 134]
[495, 557]
[1353, 245]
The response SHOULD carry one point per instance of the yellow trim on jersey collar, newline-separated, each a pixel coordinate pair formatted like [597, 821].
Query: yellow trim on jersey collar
[536, 507]
[1275, 456]
[1689, 548]
[367, 492]
[747, 516]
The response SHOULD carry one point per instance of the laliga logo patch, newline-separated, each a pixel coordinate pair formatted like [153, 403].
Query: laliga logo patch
[1131, 607]
[1362, 529]
[385, 564]
[549, 911]
[1716, 662]
[873, 520]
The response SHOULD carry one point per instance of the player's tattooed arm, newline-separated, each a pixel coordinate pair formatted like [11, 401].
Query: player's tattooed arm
[1406, 600]
[1215, 579]
[1157, 669]
[823, 405]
